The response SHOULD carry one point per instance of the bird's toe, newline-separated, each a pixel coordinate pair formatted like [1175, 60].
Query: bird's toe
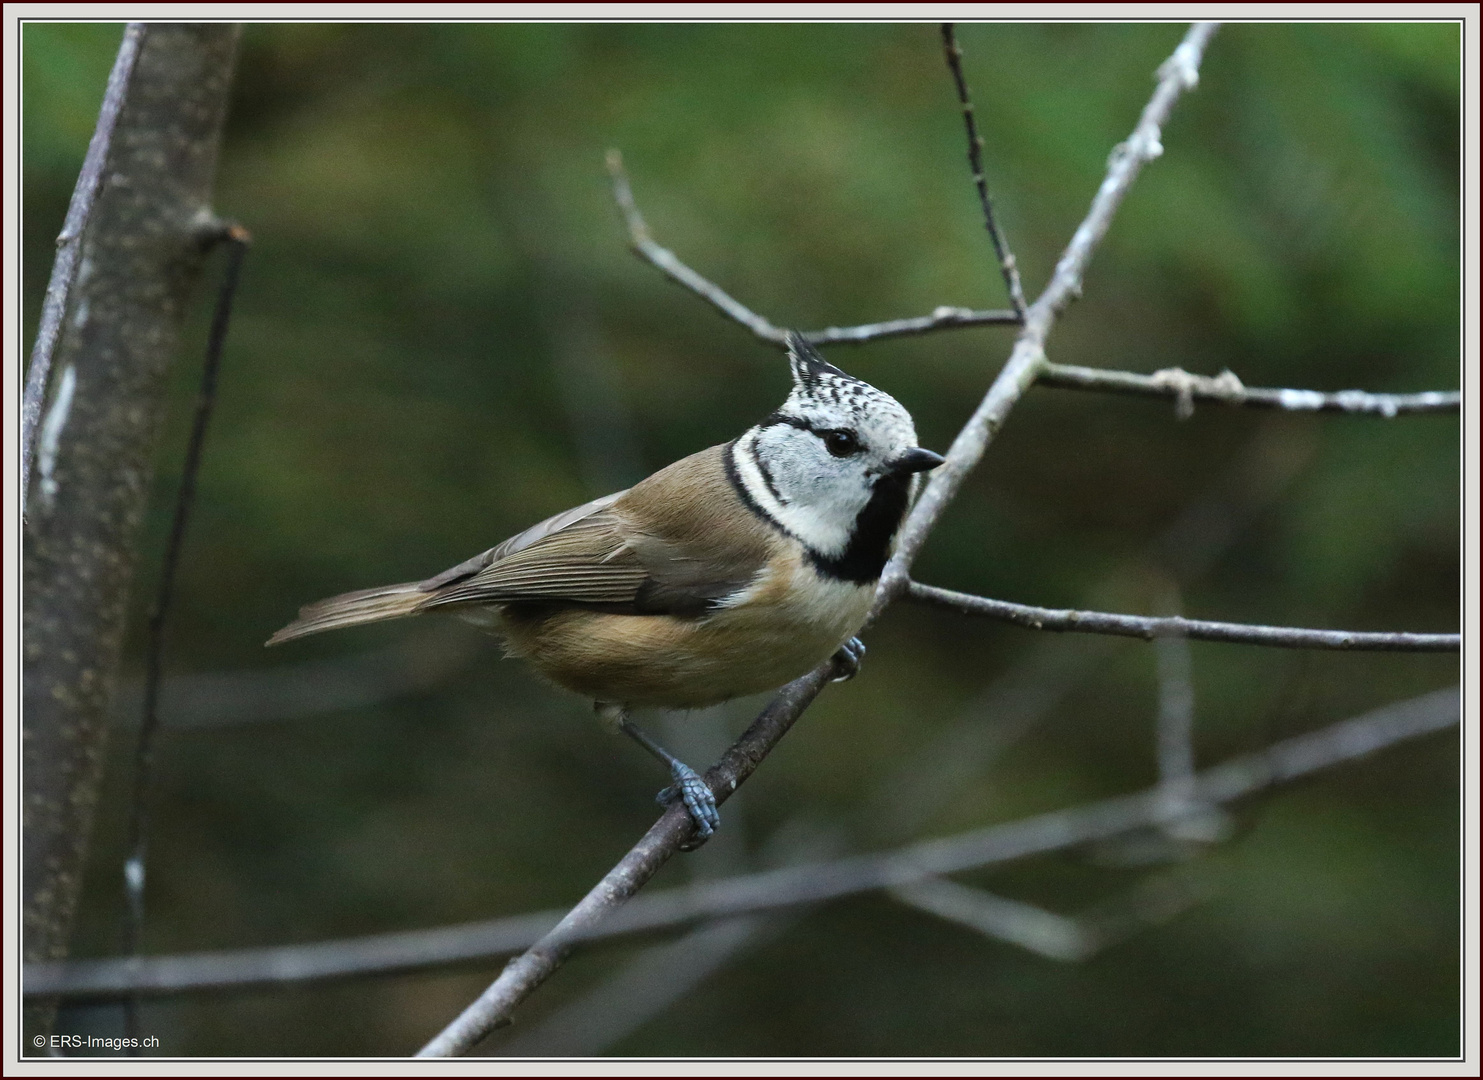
[695, 793]
[847, 660]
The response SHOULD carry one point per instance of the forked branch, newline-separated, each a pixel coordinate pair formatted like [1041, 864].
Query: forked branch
[522, 975]
[1177, 74]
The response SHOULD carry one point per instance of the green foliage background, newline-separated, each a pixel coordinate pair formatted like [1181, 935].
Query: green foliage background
[441, 338]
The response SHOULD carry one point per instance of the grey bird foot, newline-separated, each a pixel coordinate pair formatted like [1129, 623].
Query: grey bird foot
[847, 660]
[696, 794]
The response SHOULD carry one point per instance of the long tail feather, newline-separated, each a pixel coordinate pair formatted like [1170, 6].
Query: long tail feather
[353, 609]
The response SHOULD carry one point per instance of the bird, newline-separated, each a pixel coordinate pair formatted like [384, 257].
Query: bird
[729, 572]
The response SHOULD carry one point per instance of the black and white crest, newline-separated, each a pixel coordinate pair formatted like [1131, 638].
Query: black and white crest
[819, 386]
[833, 467]
[824, 395]
[808, 365]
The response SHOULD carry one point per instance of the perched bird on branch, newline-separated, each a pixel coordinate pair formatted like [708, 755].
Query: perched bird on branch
[730, 572]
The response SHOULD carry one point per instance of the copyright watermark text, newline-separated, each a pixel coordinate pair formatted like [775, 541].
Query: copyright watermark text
[94, 1042]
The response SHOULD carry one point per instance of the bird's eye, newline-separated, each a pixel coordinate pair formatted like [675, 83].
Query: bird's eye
[841, 443]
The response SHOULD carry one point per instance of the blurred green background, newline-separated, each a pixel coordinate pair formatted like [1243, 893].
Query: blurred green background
[441, 337]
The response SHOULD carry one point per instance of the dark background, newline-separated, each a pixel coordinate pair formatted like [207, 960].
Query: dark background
[441, 338]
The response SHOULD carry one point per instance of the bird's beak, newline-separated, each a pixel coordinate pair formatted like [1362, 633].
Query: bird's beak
[915, 460]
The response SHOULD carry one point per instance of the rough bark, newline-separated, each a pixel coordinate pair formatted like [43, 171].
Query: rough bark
[141, 253]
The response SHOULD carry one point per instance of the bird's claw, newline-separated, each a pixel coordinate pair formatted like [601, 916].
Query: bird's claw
[698, 800]
[847, 660]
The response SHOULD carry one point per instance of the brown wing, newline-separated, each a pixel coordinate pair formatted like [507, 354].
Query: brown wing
[520, 541]
[464, 581]
[585, 562]
[678, 543]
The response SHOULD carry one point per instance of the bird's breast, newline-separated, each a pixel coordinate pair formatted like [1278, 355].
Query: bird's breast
[788, 621]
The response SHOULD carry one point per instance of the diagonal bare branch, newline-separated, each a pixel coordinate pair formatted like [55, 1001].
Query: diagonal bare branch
[1179, 73]
[1149, 628]
[644, 988]
[522, 975]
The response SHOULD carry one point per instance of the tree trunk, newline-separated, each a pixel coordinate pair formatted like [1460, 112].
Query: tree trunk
[141, 252]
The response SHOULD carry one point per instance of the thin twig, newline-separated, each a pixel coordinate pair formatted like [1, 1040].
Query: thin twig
[1056, 937]
[942, 318]
[1007, 265]
[1175, 740]
[666, 261]
[494, 1007]
[1176, 720]
[1058, 830]
[69, 241]
[1067, 938]
[1226, 389]
[237, 239]
[1151, 627]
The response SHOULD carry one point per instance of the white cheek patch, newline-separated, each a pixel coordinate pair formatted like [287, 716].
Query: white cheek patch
[788, 476]
[824, 528]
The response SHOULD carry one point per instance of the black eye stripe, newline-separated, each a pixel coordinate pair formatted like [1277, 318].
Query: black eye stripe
[804, 425]
[840, 442]
[791, 421]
